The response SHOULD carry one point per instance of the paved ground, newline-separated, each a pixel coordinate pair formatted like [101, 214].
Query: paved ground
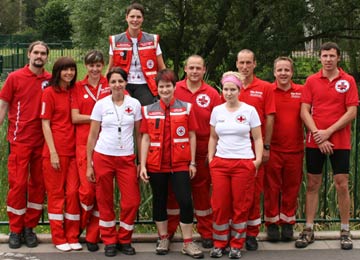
[325, 248]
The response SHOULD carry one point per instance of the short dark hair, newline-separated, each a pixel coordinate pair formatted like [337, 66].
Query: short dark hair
[60, 64]
[116, 70]
[33, 44]
[166, 75]
[135, 6]
[94, 56]
[326, 46]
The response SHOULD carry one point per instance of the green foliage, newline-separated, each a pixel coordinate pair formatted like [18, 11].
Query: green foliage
[53, 21]
[11, 15]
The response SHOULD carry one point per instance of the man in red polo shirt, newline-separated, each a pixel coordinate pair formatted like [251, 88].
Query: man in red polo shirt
[283, 172]
[329, 104]
[259, 94]
[204, 98]
[21, 97]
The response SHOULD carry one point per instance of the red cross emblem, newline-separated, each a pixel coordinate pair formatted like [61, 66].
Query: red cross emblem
[342, 86]
[240, 119]
[203, 100]
[128, 110]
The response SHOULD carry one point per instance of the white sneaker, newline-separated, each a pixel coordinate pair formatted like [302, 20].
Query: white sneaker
[75, 246]
[63, 247]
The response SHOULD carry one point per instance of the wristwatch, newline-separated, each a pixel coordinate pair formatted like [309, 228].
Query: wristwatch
[267, 147]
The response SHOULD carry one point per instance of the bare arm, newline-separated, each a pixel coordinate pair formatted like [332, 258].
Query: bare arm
[192, 139]
[307, 118]
[78, 118]
[258, 143]
[49, 139]
[138, 143]
[4, 106]
[91, 142]
[213, 139]
[145, 143]
[160, 62]
[269, 126]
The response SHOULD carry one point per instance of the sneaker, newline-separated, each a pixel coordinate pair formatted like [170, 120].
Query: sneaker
[63, 247]
[126, 249]
[30, 237]
[92, 247]
[217, 252]
[287, 232]
[273, 233]
[192, 249]
[306, 237]
[207, 243]
[75, 246]
[162, 246]
[235, 253]
[110, 250]
[251, 243]
[345, 240]
[14, 240]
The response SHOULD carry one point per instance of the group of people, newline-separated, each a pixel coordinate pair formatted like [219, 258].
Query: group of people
[205, 155]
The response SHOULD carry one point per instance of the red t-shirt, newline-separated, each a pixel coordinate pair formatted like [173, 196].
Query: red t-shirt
[56, 108]
[329, 100]
[166, 152]
[259, 94]
[203, 101]
[84, 97]
[23, 90]
[288, 132]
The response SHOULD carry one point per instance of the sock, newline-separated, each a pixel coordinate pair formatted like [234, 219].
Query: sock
[166, 236]
[309, 225]
[187, 240]
[345, 227]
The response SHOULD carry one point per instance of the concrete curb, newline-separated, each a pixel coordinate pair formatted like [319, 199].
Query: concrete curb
[152, 237]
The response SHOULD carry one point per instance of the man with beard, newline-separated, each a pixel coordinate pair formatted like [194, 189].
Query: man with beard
[21, 98]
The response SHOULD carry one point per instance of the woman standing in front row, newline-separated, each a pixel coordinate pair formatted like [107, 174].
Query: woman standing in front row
[110, 153]
[59, 165]
[168, 154]
[233, 166]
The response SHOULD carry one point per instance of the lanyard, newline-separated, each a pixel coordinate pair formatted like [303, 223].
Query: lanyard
[119, 119]
[91, 94]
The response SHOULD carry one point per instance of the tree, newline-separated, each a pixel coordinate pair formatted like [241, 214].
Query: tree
[10, 16]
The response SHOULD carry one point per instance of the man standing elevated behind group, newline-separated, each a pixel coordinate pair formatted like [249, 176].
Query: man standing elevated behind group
[204, 98]
[329, 104]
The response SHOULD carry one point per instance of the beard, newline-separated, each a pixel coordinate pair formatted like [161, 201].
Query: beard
[37, 64]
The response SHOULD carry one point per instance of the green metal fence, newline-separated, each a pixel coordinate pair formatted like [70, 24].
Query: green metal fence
[14, 56]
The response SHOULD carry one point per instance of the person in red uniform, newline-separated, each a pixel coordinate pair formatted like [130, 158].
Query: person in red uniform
[59, 164]
[259, 94]
[115, 123]
[329, 105]
[168, 148]
[139, 54]
[84, 96]
[21, 98]
[283, 171]
[233, 166]
[204, 98]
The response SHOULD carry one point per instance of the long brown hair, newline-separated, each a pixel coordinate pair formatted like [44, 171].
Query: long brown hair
[61, 64]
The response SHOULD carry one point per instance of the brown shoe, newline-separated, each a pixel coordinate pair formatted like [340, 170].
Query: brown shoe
[306, 237]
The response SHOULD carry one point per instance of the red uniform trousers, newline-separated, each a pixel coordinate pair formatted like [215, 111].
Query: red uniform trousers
[89, 211]
[254, 220]
[62, 188]
[26, 186]
[123, 168]
[201, 195]
[232, 195]
[283, 175]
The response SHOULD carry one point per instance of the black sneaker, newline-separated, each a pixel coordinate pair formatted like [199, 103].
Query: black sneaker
[207, 243]
[273, 233]
[126, 249]
[30, 237]
[14, 240]
[345, 240]
[251, 243]
[92, 247]
[287, 232]
[110, 250]
[306, 237]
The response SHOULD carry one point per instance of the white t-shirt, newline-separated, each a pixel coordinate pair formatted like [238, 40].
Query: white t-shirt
[135, 75]
[111, 141]
[233, 130]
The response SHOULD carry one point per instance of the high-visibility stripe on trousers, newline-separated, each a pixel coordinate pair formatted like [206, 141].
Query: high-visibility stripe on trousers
[200, 187]
[283, 175]
[124, 170]
[26, 186]
[62, 188]
[254, 219]
[89, 211]
[232, 195]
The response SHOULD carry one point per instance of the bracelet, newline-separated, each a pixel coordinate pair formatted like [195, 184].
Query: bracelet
[193, 164]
